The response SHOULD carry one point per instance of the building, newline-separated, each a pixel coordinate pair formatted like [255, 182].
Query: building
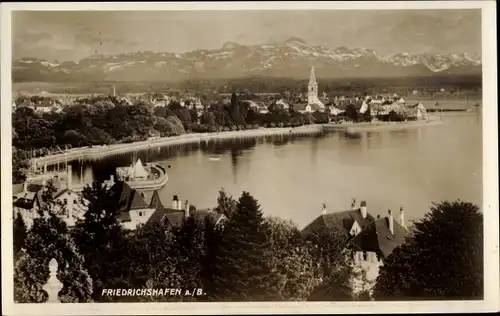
[375, 243]
[132, 208]
[349, 222]
[73, 205]
[69, 205]
[372, 240]
[312, 91]
[170, 217]
[280, 104]
[28, 202]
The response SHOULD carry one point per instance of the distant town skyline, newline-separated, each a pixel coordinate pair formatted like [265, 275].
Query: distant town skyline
[72, 35]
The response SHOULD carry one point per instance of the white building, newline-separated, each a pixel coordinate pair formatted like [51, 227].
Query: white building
[312, 92]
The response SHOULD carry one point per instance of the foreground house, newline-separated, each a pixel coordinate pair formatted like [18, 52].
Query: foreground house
[132, 208]
[28, 202]
[372, 240]
[170, 217]
[376, 242]
[69, 205]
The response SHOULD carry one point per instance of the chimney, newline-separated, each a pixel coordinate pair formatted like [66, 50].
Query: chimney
[353, 203]
[323, 210]
[364, 210]
[175, 201]
[186, 209]
[391, 222]
[111, 179]
[69, 176]
[179, 204]
[402, 216]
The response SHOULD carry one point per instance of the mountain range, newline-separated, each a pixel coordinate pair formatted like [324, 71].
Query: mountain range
[291, 58]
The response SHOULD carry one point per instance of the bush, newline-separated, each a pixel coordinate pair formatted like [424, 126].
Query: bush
[281, 124]
[128, 140]
[272, 125]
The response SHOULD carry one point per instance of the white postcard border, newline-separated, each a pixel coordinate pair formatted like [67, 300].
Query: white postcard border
[490, 173]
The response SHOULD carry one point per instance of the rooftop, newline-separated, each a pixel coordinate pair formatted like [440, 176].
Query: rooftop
[342, 221]
[378, 238]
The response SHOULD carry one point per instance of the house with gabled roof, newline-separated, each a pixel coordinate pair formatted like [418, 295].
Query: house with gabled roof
[74, 205]
[349, 222]
[170, 217]
[372, 240]
[133, 210]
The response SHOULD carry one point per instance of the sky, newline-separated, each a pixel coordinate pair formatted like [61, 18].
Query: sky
[72, 35]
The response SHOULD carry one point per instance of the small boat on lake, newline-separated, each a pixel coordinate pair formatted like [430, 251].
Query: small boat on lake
[214, 158]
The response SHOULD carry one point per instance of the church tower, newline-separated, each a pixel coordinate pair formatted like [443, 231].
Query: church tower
[312, 92]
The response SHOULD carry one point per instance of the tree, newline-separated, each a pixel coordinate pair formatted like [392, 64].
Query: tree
[20, 233]
[155, 263]
[225, 204]
[241, 271]
[290, 261]
[208, 118]
[176, 126]
[49, 238]
[19, 165]
[102, 241]
[74, 138]
[351, 112]
[367, 116]
[190, 244]
[450, 237]
[334, 265]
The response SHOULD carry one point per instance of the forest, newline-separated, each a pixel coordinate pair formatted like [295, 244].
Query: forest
[251, 257]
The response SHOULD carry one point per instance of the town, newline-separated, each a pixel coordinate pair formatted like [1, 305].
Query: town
[246, 156]
[369, 240]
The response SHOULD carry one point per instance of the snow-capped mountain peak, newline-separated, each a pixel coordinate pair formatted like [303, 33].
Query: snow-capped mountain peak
[290, 58]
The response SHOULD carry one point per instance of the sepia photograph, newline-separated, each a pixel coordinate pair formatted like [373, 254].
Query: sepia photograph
[344, 156]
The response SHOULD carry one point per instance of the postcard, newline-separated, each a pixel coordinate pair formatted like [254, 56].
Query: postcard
[249, 158]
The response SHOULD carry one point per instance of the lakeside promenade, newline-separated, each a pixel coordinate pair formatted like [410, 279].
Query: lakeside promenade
[96, 152]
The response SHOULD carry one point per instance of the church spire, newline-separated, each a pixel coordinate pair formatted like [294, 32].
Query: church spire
[312, 77]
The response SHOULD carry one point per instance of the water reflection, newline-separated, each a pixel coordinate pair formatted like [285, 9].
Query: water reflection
[389, 169]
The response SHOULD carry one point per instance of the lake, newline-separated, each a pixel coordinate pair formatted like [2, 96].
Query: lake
[292, 176]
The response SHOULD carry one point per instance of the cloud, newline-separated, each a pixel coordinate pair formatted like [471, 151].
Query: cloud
[70, 35]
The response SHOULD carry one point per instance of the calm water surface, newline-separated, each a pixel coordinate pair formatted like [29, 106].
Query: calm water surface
[292, 177]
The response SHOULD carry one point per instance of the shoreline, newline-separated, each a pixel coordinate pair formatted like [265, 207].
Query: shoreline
[379, 126]
[108, 150]
[96, 152]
